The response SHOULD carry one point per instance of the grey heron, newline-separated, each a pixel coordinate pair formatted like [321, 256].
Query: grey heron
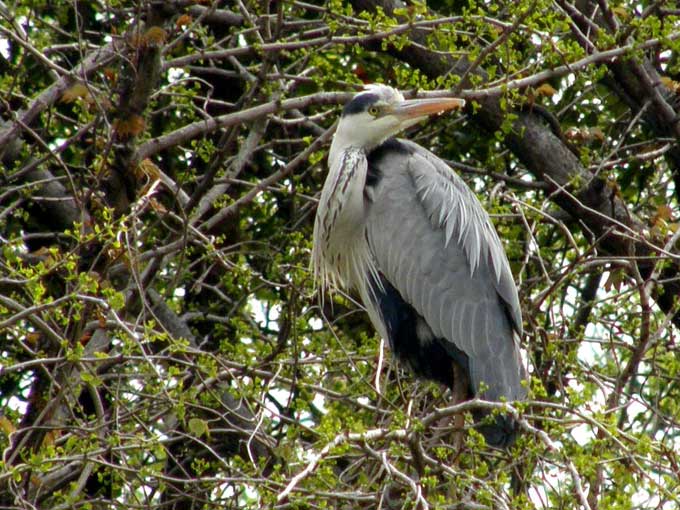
[396, 224]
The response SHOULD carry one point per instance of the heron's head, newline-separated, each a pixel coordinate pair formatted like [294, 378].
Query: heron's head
[380, 112]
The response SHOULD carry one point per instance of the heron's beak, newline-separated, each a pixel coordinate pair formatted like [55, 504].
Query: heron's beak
[418, 108]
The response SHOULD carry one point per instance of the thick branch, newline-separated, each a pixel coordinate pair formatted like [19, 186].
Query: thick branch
[204, 127]
[635, 81]
[139, 78]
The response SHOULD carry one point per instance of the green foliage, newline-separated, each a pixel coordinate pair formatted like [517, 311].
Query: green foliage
[162, 342]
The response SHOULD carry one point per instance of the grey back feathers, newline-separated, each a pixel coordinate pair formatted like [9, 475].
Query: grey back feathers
[435, 244]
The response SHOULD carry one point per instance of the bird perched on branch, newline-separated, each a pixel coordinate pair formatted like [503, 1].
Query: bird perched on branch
[398, 225]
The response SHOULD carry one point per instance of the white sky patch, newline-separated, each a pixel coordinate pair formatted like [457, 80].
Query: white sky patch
[4, 48]
[258, 310]
[176, 74]
[315, 323]
[320, 402]
[634, 408]
[663, 58]
[249, 495]
[281, 396]
[364, 401]
[56, 143]
[552, 479]
[265, 316]
[18, 405]
[582, 434]
[565, 83]
[591, 351]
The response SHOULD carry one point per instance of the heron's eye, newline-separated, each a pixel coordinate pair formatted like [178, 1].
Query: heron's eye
[373, 110]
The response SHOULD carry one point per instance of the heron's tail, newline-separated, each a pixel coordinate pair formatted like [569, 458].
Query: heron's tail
[500, 431]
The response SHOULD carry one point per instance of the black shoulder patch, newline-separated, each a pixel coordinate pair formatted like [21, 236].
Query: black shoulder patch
[359, 103]
[374, 157]
[391, 146]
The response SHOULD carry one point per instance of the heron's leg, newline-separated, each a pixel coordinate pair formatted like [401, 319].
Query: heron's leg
[459, 390]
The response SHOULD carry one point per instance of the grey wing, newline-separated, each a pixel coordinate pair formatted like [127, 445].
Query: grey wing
[435, 244]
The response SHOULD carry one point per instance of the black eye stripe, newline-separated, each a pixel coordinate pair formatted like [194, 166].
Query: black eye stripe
[360, 104]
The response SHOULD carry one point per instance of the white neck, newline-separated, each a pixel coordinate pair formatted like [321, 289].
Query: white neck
[360, 135]
[341, 256]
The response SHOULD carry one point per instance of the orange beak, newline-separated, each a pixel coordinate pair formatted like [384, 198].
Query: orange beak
[415, 108]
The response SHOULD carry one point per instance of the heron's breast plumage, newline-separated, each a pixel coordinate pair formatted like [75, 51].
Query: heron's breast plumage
[341, 256]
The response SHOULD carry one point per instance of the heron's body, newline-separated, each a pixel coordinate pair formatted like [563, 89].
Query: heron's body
[397, 224]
